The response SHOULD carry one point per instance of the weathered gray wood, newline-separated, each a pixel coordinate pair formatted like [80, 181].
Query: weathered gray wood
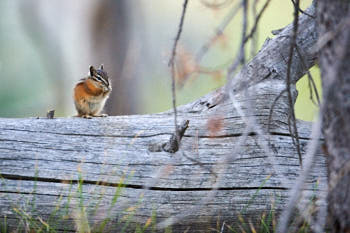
[45, 159]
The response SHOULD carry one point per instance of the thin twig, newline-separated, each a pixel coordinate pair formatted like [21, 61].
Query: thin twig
[301, 11]
[240, 59]
[254, 47]
[206, 46]
[245, 38]
[252, 123]
[312, 147]
[295, 191]
[272, 108]
[288, 80]
[219, 31]
[172, 63]
[197, 162]
[290, 128]
[312, 85]
[244, 30]
[257, 19]
[217, 5]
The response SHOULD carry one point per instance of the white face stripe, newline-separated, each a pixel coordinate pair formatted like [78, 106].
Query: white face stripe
[99, 78]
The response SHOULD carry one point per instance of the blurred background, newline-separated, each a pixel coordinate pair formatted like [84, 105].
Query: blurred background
[47, 46]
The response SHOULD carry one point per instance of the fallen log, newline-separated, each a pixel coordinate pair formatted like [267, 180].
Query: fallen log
[69, 174]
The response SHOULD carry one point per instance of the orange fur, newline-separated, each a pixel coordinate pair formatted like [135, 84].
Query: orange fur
[89, 98]
[92, 88]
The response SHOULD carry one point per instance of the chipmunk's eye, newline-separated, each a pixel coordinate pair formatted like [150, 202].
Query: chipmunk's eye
[100, 79]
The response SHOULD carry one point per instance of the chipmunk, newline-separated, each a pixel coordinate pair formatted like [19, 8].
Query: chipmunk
[91, 93]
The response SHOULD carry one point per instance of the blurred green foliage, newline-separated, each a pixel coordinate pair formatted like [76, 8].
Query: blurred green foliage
[23, 89]
[305, 108]
[27, 85]
[221, 54]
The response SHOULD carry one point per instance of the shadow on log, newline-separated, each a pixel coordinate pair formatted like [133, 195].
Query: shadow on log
[73, 174]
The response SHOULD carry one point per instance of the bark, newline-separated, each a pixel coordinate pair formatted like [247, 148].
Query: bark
[334, 59]
[68, 170]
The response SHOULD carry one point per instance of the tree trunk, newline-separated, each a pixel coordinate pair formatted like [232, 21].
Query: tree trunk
[334, 60]
[111, 37]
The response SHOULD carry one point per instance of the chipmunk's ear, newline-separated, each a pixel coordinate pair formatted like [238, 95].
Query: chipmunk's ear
[101, 67]
[93, 71]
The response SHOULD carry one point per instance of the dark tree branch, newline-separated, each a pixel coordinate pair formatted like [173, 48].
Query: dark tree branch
[334, 54]
[172, 64]
[288, 79]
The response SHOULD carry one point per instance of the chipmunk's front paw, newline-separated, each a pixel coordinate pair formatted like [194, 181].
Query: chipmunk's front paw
[86, 116]
[103, 115]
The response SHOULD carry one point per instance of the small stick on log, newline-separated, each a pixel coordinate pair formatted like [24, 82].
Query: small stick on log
[173, 144]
